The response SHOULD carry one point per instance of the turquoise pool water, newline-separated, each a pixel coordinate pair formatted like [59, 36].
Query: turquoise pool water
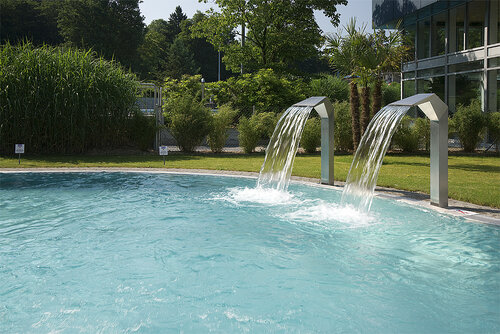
[159, 253]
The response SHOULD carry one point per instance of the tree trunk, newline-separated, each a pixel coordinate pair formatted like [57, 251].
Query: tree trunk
[365, 114]
[377, 97]
[354, 104]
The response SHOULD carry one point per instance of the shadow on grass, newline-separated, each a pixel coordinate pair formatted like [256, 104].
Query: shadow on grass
[476, 168]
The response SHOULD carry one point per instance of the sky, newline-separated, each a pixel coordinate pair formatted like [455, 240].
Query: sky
[161, 9]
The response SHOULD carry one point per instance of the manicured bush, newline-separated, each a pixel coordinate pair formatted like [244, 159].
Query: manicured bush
[390, 93]
[60, 100]
[334, 87]
[422, 128]
[469, 124]
[311, 136]
[254, 128]
[266, 123]
[405, 137]
[249, 134]
[343, 127]
[494, 128]
[188, 120]
[218, 133]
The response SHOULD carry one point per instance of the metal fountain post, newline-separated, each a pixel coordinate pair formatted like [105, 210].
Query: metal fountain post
[437, 111]
[324, 108]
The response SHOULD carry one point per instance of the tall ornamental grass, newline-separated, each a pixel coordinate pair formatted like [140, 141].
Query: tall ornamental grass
[62, 100]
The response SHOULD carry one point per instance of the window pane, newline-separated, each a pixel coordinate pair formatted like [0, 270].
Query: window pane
[463, 88]
[410, 40]
[476, 14]
[459, 29]
[423, 39]
[439, 23]
[408, 88]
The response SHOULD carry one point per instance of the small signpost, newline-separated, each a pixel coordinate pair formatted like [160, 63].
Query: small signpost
[164, 152]
[19, 149]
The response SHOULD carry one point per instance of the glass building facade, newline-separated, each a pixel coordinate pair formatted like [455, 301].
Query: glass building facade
[455, 48]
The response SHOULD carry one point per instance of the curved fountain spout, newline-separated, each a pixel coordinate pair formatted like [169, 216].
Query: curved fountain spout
[324, 108]
[437, 111]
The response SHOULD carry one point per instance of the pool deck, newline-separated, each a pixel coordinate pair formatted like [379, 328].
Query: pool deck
[471, 212]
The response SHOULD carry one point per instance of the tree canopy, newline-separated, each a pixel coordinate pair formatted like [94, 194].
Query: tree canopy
[276, 34]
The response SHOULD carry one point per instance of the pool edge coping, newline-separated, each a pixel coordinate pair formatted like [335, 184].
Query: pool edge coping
[456, 208]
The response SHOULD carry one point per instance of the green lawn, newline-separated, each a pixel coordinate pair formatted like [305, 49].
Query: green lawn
[474, 179]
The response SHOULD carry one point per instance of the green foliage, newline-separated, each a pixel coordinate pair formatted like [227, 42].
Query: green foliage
[114, 29]
[422, 129]
[311, 136]
[249, 134]
[62, 101]
[31, 20]
[218, 134]
[334, 87]
[405, 137]
[187, 85]
[142, 130]
[266, 123]
[343, 127]
[188, 120]
[254, 128]
[264, 90]
[279, 33]
[494, 127]
[390, 93]
[469, 123]
[180, 60]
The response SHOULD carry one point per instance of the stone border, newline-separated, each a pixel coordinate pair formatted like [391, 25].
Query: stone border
[470, 212]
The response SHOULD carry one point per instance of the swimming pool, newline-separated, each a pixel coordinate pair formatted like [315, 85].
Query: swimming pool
[138, 252]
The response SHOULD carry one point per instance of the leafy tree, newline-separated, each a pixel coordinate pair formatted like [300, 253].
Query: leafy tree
[29, 19]
[204, 54]
[263, 91]
[180, 60]
[277, 33]
[153, 51]
[113, 28]
[174, 24]
[344, 51]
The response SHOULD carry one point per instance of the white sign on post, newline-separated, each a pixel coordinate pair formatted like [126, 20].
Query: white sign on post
[19, 148]
[163, 150]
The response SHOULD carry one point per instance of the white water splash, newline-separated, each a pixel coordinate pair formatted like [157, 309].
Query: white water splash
[362, 177]
[258, 195]
[282, 148]
[330, 214]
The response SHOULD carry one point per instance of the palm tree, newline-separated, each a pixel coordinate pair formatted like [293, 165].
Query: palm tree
[344, 52]
[389, 51]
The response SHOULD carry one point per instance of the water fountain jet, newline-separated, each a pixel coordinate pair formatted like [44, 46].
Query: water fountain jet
[283, 145]
[362, 177]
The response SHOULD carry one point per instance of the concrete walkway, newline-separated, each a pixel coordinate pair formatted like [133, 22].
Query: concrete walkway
[469, 211]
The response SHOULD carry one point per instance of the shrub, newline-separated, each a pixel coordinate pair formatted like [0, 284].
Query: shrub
[253, 129]
[469, 123]
[266, 123]
[142, 130]
[343, 127]
[59, 100]
[189, 121]
[422, 128]
[265, 90]
[405, 137]
[220, 122]
[390, 93]
[334, 87]
[311, 136]
[494, 128]
[249, 134]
